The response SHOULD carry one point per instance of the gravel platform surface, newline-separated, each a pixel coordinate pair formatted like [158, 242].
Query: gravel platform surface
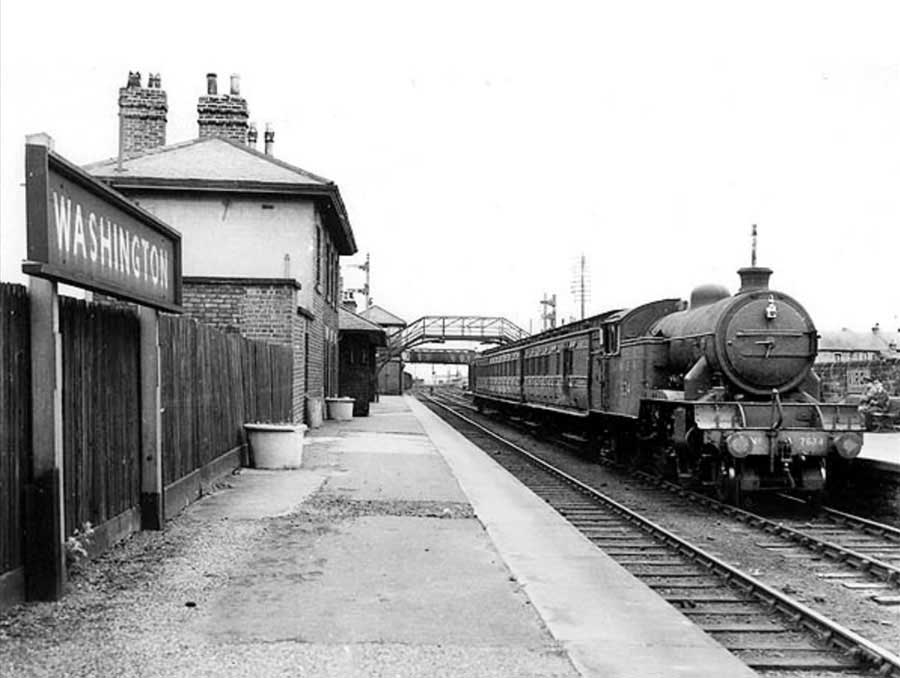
[322, 585]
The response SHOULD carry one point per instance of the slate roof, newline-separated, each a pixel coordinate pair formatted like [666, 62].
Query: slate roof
[380, 316]
[212, 158]
[216, 164]
[849, 340]
[351, 322]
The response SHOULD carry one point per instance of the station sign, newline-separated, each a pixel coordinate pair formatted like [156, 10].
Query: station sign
[83, 233]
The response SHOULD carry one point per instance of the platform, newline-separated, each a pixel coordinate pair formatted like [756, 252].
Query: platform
[399, 549]
[882, 450]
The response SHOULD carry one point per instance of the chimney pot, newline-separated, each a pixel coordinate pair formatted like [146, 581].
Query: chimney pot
[235, 84]
[211, 84]
[269, 139]
[252, 135]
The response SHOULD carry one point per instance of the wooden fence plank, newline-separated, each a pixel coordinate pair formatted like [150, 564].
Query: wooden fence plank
[213, 383]
[101, 421]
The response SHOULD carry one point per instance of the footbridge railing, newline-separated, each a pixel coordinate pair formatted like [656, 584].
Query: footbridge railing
[439, 329]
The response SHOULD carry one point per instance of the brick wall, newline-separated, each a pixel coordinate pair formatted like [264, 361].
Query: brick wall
[143, 111]
[845, 378]
[316, 359]
[260, 309]
[324, 336]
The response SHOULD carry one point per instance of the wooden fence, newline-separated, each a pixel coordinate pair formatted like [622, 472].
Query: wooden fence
[15, 419]
[101, 411]
[211, 384]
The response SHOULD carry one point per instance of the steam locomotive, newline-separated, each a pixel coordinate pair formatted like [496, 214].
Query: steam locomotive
[718, 392]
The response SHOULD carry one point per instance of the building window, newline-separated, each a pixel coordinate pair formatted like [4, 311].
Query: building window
[318, 258]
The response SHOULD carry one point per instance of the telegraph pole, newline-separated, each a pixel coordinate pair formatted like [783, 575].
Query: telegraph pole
[581, 285]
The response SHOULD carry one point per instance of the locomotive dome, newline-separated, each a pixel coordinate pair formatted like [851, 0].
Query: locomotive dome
[704, 295]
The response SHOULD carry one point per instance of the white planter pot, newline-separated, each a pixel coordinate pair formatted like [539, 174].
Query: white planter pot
[276, 445]
[340, 409]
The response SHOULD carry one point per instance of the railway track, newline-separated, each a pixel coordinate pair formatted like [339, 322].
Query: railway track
[764, 627]
[867, 553]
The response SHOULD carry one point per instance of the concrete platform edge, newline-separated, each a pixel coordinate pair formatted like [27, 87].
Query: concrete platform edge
[596, 644]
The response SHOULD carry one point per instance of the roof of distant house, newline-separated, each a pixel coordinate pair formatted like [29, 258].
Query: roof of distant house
[377, 314]
[850, 340]
[214, 164]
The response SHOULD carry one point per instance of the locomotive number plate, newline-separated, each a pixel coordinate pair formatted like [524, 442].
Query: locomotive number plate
[811, 443]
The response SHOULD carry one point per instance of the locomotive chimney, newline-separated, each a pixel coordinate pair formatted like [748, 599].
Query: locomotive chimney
[754, 278]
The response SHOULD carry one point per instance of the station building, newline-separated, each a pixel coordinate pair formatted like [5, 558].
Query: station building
[261, 238]
[360, 340]
[391, 379]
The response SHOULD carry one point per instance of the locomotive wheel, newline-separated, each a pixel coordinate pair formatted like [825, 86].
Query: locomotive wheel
[728, 484]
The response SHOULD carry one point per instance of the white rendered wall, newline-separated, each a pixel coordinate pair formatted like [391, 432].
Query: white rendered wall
[242, 237]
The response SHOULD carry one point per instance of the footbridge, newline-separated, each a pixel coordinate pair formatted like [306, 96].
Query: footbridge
[433, 329]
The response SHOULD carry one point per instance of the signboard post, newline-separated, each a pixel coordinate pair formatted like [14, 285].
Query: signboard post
[83, 233]
[44, 554]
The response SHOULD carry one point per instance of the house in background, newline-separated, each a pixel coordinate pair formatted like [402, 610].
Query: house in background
[391, 376]
[849, 346]
[261, 238]
[846, 358]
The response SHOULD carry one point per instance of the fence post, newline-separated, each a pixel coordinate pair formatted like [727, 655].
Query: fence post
[152, 504]
[45, 555]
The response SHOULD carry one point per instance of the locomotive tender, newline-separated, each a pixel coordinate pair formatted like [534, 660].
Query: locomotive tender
[719, 392]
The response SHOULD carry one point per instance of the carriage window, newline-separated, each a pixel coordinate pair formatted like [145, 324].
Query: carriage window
[610, 338]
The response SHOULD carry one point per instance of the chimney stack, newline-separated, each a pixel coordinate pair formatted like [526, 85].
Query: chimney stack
[252, 135]
[269, 139]
[222, 115]
[142, 115]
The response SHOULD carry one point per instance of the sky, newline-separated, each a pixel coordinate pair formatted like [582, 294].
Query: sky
[483, 147]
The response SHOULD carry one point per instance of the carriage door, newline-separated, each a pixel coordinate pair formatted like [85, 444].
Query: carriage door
[599, 395]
